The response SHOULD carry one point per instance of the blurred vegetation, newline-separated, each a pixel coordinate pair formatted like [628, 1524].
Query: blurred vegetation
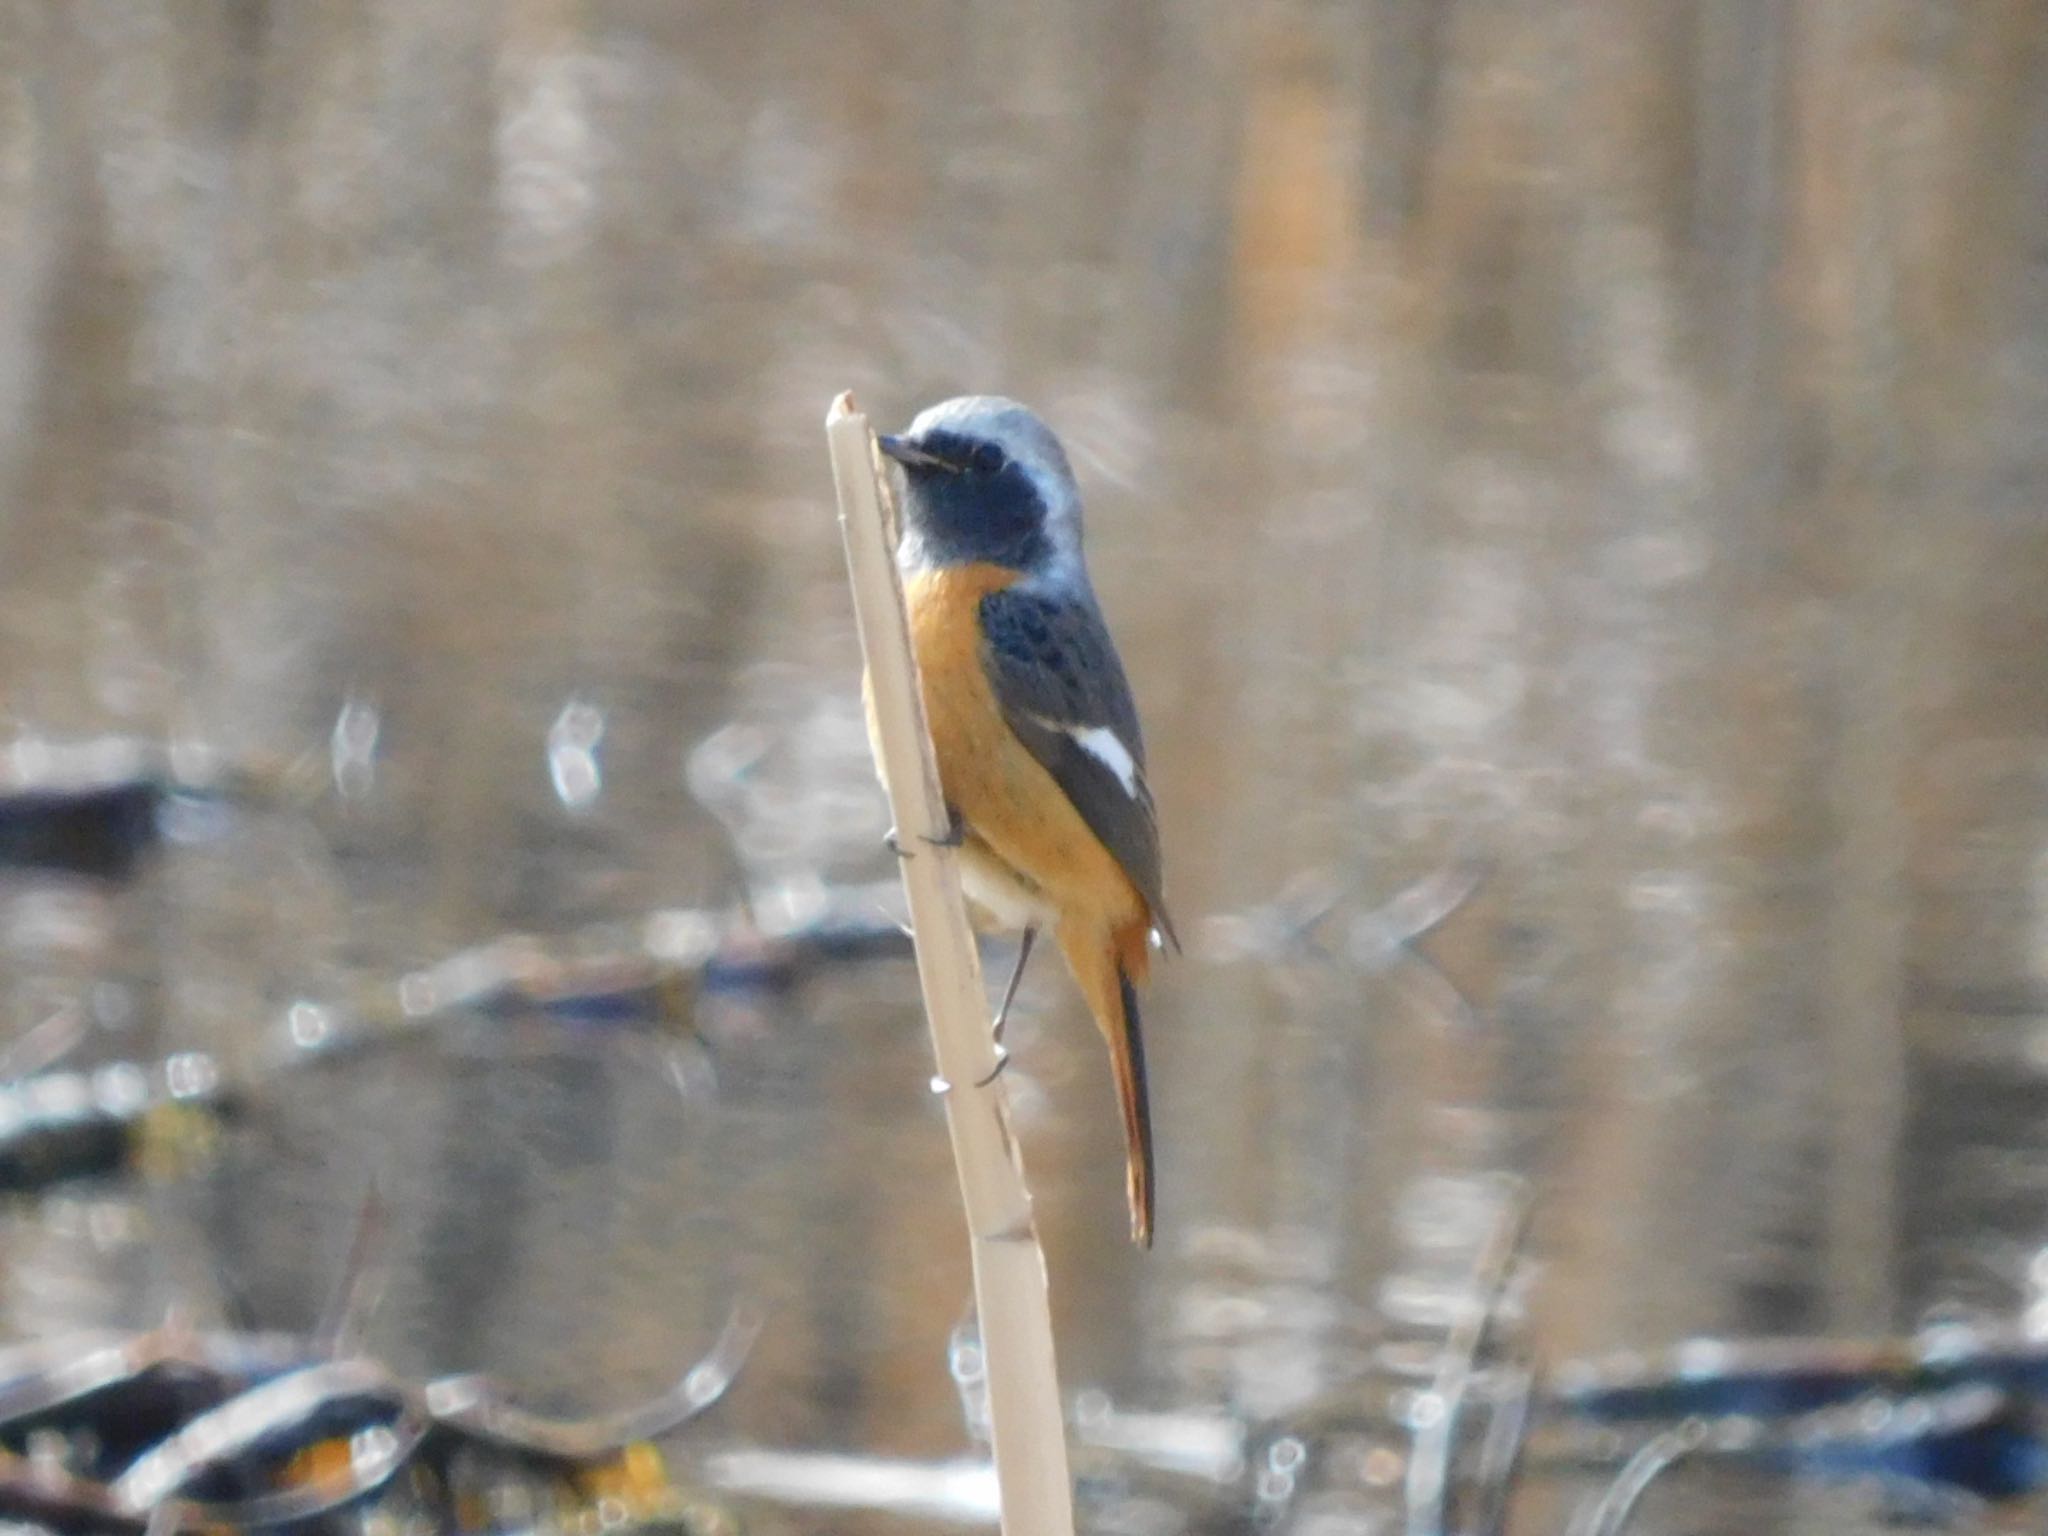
[1607, 435]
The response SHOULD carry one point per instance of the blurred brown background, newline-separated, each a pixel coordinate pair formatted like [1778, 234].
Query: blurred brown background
[1605, 437]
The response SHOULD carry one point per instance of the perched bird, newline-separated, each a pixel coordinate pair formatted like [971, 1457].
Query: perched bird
[1038, 745]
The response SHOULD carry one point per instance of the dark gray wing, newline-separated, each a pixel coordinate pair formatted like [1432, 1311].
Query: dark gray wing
[1057, 677]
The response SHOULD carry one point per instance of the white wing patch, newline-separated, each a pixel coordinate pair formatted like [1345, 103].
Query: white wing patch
[1103, 744]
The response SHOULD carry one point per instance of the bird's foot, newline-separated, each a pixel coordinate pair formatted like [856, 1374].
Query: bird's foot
[954, 835]
[1002, 1061]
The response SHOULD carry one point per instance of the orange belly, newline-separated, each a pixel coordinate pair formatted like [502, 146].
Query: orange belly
[1028, 857]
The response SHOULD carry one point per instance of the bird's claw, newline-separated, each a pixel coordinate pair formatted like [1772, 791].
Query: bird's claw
[954, 835]
[1002, 1061]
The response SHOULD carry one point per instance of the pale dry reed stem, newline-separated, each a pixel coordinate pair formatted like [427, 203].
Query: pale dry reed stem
[1026, 1426]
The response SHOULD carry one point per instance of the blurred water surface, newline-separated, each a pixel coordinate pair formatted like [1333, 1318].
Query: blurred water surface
[1603, 439]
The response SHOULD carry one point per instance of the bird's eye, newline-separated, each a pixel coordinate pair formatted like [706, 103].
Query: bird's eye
[987, 458]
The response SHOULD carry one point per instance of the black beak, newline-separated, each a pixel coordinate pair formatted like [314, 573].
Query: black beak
[909, 455]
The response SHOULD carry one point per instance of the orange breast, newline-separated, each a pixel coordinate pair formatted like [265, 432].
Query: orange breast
[1009, 802]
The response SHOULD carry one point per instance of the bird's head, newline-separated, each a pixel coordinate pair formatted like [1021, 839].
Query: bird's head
[986, 482]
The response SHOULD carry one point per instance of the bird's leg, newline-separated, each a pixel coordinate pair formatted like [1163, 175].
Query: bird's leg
[1009, 997]
[1016, 975]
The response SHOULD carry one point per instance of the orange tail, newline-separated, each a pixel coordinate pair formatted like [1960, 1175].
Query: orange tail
[1108, 967]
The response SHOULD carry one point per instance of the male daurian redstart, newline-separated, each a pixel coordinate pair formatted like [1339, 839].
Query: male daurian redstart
[1038, 745]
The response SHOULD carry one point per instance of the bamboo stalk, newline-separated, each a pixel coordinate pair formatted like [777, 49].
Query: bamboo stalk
[1027, 1431]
